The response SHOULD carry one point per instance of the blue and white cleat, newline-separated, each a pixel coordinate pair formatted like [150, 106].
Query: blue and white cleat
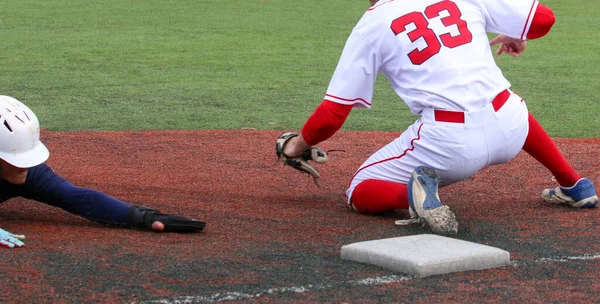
[425, 202]
[580, 195]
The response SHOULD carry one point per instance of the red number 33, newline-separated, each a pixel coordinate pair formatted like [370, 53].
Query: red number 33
[422, 30]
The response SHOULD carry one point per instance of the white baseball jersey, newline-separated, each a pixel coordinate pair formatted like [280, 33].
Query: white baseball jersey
[435, 53]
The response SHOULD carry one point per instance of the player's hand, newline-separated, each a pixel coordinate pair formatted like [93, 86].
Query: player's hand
[292, 150]
[10, 240]
[158, 226]
[295, 145]
[154, 220]
[512, 46]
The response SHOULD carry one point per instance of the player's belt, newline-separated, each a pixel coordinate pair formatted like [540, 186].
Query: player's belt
[459, 117]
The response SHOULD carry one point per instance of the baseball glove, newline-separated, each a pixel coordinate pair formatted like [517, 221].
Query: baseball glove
[300, 162]
[142, 218]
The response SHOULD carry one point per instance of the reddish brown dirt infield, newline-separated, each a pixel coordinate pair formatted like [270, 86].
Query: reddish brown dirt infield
[273, 236]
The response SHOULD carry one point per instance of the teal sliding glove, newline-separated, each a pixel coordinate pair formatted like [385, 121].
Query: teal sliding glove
[10, 240]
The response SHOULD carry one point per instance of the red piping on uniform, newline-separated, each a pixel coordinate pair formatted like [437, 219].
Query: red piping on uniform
[412, 147]
[527, 21]
[345, 99]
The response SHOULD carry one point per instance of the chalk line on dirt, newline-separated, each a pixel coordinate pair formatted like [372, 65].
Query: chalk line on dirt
[374, 281]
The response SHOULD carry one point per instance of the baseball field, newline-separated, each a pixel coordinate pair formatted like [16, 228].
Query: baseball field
[176, 105]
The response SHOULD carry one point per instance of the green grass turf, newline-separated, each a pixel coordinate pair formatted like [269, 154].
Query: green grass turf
[195, 64]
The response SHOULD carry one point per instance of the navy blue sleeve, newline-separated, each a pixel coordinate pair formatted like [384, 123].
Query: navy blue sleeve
[44, 185]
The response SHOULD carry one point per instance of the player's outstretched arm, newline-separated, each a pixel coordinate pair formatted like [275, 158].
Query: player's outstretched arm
[10, 240]
[99, 207]
[45, 186]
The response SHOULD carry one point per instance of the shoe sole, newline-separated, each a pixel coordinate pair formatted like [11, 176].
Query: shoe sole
[423, 188]
[587, 203]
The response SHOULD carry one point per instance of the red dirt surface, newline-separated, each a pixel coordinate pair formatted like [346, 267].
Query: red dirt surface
[273, 236]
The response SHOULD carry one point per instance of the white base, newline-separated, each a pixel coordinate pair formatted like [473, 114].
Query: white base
[426, 254]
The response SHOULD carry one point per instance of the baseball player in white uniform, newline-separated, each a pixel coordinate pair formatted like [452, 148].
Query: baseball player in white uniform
[438, 59]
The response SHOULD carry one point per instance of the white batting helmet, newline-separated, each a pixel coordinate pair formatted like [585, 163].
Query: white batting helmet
[20, 143]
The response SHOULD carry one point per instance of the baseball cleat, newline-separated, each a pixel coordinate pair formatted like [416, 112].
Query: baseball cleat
[580, 195]
[414, 219]
[425, 202]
